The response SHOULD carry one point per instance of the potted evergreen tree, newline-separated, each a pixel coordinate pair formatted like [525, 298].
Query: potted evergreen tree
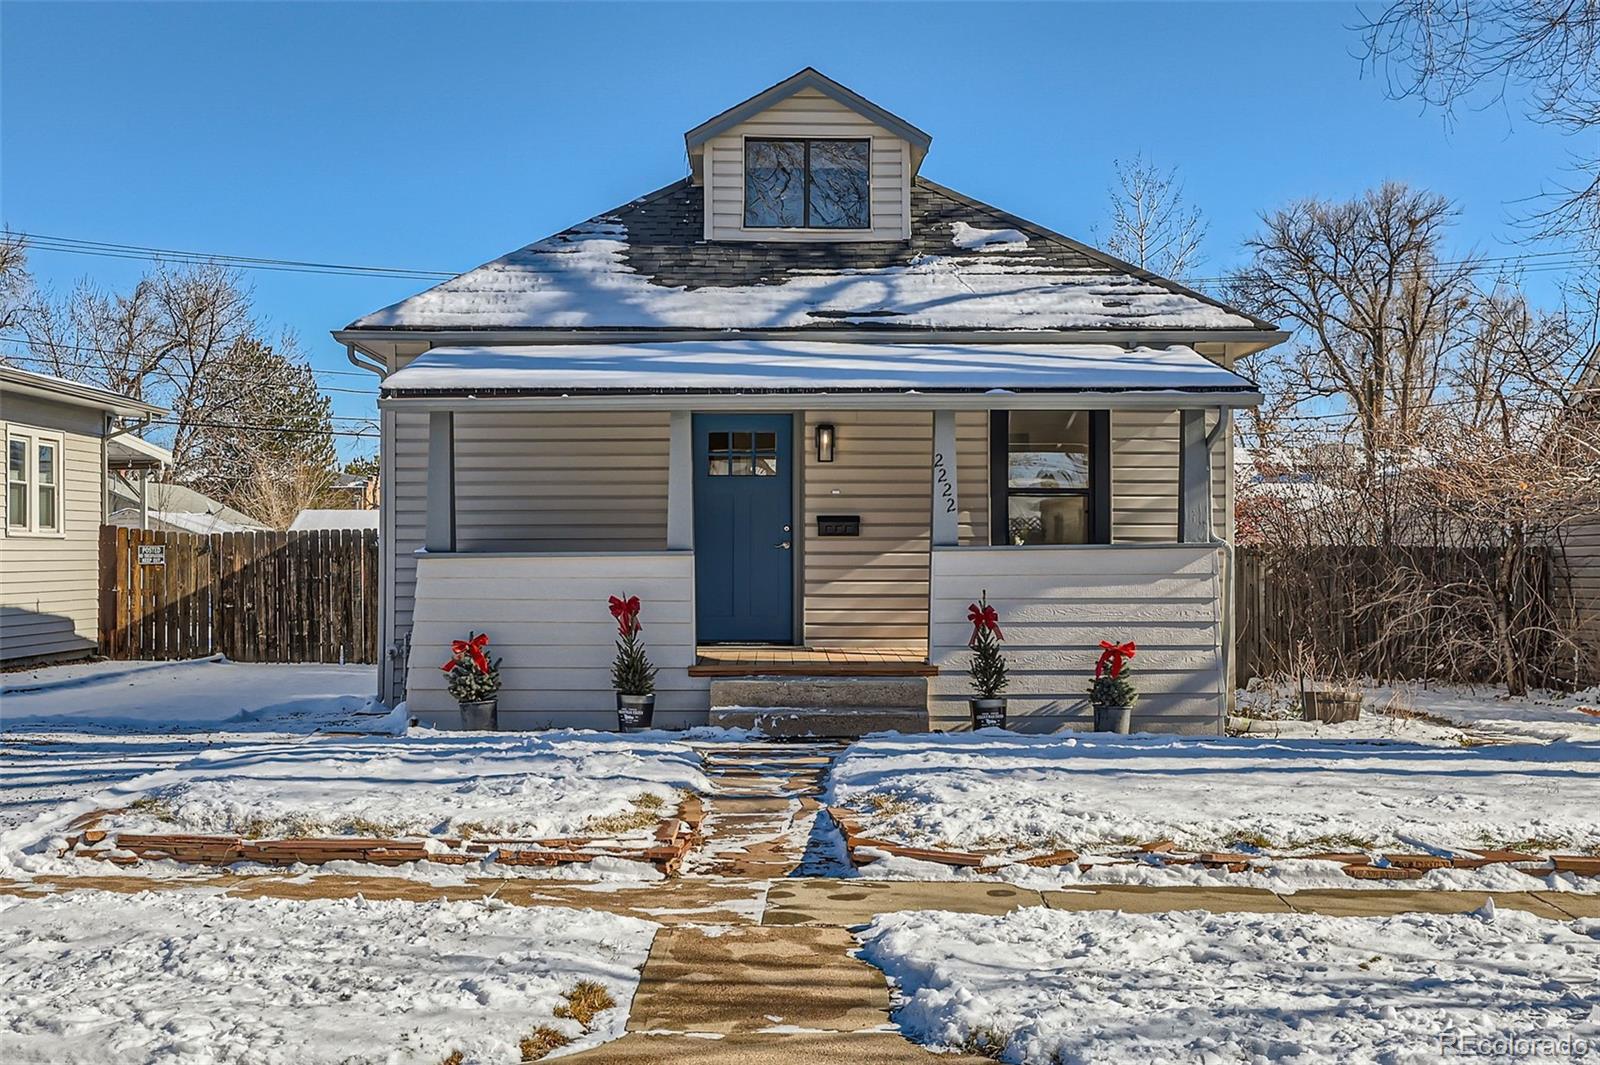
[632, 675]
[474, 682]
[1111, 693]
[988, 668]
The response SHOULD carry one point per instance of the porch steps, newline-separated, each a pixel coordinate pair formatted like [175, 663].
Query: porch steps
[801, 707]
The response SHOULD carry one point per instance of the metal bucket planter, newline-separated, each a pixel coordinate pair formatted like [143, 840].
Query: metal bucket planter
[635, 713]
[1113, 719]
[482, 715]
[988, 713]
[1331, 707]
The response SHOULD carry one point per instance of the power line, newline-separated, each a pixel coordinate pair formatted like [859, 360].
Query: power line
[264, 428]
[131, 354]
[1562, 259]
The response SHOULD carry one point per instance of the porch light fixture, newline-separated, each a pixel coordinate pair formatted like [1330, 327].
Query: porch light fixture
[825, 442]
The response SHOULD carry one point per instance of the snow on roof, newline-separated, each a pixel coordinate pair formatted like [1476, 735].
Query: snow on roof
[647, 265]
[198, 522]
[64, 390]
[970, 237]
[804, 366]
[334, 518]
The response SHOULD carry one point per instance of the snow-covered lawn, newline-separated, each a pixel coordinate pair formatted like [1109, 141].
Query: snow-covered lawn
[1428, 713]
[1098, 794]
[95, 977]
[1054, 987]
[202, 694]
[424, 784]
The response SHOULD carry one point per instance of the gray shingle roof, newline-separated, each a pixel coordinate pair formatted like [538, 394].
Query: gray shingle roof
[647, 265]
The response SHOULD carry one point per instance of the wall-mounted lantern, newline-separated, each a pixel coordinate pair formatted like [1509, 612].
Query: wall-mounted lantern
[825, 437]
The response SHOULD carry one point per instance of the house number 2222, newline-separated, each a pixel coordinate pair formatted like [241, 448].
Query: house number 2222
[941, 479]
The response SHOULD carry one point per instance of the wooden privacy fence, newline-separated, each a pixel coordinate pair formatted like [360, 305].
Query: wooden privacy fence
[254, 596]
[1400, 613]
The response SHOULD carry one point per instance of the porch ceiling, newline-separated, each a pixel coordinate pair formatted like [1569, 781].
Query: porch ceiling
[701, 374]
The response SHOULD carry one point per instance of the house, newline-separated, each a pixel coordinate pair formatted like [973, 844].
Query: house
[808, 405]
[325, 518]
[355, 491]
[1581, 547]
[138, 502]
[59, 434]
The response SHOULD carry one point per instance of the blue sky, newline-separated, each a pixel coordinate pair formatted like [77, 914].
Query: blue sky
[438, 136]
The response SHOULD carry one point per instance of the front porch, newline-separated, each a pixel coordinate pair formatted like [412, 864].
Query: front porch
[821, 538]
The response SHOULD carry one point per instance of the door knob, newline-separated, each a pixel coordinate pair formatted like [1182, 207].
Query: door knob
[783, 544]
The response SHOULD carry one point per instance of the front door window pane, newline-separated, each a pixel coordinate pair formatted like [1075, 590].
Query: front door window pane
[774, 183]
[1049, 449]
[742, 454]
[839, 184]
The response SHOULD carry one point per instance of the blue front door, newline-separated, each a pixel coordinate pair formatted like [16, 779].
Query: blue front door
[744, 528]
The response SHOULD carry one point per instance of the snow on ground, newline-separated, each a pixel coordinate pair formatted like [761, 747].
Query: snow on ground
[197, 695]
[1098, 793]
[1056, 987]
[198, 977]
[525, 785]
[1446, 713]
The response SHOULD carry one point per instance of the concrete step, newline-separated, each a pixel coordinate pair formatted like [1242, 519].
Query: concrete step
[823, 693]
[849, 722]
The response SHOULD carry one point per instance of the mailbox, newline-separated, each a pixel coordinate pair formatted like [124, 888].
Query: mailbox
[838, 525]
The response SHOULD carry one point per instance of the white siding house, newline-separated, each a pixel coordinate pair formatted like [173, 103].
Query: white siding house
[56, 435]
[808, 405]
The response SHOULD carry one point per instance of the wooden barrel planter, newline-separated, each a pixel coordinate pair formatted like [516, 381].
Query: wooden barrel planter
[1331, 707]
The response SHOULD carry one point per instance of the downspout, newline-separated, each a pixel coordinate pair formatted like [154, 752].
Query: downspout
[388, 653]
[1224, 421]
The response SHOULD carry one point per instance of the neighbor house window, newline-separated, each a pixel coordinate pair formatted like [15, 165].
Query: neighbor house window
[33, 482]
[807, 184]
[1050, 477]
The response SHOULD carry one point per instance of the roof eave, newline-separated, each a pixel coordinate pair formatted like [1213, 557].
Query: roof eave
[77, 395]
[488, 400]
[885, 334]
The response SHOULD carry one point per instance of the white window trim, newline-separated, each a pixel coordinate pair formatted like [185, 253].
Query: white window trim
[34, 438]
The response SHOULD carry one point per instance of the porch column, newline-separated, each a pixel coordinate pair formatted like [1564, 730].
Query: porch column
[441, 532]
[1194, 478]
[946, 499]
[144, 498]
[680, 483]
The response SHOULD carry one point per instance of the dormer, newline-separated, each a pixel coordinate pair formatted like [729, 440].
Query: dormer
[806, 160]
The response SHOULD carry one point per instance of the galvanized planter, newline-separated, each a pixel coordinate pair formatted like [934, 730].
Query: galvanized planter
[481, 715]
[988, 713]
[1113, 718]
[635, 713]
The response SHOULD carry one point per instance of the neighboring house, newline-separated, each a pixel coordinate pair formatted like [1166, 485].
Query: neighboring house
[326, 518]
[1582, 542]
[805, 398]
[58, 434]
[174, 508]
[355, 492]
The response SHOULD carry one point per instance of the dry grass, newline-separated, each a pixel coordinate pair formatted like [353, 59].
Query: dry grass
[986, 1042]
[646, 813]
[455, 1057]
[151, 806]
[585, 1002]
[541, 1041]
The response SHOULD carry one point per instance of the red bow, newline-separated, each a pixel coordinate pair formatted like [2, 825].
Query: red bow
[1114, 654]
[626, 611]
[982, 618]
[472, 649]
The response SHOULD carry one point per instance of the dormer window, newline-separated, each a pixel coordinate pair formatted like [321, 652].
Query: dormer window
[807, 184]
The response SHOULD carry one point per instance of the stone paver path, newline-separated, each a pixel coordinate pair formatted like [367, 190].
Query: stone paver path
[760, 821]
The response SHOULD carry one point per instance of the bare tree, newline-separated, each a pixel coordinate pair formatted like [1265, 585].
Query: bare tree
[1447, 52]
[1152, 226]
[1377, 307]
[16, 284]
